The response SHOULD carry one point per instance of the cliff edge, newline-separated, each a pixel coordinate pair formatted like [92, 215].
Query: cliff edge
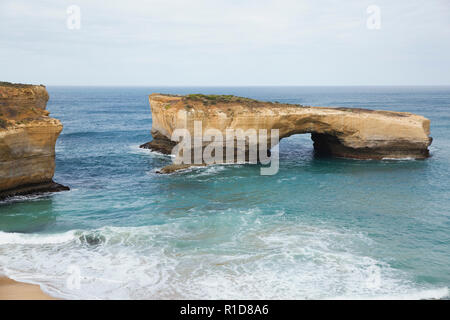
[27, 141]
[339, 132]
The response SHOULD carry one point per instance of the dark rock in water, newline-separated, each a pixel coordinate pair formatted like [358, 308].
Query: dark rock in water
[36, 188]
[92, 239]
[160, 144]
[177, 167]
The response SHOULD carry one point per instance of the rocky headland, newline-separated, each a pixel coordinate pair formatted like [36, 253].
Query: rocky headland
[27, 141]
[338, 132]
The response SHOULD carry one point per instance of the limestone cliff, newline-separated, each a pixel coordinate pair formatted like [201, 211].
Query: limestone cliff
[340, 132]
[27, 141]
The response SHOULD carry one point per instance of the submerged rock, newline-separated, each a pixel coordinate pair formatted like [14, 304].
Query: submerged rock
[27, 141]
[92, 239]
[178, 167]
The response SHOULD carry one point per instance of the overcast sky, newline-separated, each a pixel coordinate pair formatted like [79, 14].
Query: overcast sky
[225, 42]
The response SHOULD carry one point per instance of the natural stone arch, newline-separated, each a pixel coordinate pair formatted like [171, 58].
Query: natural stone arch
[341, 132]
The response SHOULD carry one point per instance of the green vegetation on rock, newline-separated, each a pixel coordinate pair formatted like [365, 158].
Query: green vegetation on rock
[3, 123]
[216, 98]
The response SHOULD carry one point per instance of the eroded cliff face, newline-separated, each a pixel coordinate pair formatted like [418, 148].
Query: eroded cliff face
[340, 132]
[27, 141]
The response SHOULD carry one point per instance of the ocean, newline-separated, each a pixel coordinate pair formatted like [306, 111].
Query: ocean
[319, 229]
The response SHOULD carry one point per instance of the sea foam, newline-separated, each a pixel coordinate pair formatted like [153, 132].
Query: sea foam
[175, 260]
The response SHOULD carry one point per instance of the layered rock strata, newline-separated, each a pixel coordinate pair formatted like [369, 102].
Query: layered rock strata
[27, 141]
[339, 132]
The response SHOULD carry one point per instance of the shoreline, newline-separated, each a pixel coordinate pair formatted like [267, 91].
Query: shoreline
[14, 290]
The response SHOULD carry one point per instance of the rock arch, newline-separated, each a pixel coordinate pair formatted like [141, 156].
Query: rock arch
[341, 132]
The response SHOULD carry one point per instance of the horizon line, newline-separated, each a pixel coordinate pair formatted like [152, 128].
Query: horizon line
[247, 85]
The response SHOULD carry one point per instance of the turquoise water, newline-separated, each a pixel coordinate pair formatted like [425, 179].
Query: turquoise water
[320, 228]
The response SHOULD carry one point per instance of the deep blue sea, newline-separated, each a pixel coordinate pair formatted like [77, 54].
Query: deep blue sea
[319, 229]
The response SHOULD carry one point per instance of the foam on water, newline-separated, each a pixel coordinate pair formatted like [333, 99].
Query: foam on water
[206, 171]
[32, 239]
[398, 159]
[259, 259]
[432, 294]
[29, 197]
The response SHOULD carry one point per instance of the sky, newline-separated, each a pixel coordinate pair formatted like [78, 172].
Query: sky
[225, 43]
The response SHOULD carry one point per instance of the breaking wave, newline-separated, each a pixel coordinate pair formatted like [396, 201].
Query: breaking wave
[211, 259]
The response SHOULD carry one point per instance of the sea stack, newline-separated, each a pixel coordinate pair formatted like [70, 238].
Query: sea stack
[27, 141]
[338, 132]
